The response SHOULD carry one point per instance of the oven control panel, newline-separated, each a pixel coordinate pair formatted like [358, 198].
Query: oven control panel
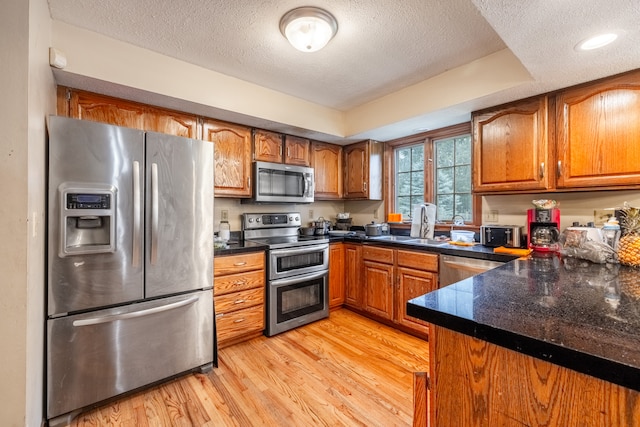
[270, 220]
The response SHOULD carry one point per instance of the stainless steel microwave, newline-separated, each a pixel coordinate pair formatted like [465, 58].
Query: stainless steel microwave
[280, 183]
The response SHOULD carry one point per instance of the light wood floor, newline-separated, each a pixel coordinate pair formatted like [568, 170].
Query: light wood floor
[343, 371]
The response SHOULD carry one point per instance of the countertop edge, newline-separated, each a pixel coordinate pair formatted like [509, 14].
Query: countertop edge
[598, 367]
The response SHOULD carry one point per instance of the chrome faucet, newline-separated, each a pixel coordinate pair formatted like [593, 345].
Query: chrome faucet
[457, 220]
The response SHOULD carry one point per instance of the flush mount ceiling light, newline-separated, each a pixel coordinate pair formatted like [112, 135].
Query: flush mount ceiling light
[597, 41]
[308, 29]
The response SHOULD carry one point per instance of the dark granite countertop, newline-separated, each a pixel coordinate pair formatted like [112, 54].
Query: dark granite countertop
[234, 247]
[570, 312]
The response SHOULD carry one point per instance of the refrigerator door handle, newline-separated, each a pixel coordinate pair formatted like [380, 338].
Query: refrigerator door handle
[154, 213]
[134, 314]
[137, 220]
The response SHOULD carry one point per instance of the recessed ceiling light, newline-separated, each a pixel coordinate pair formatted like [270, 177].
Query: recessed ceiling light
[597, 41]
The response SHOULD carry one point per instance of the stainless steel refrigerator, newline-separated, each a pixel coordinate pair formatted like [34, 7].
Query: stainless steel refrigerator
[129, 263]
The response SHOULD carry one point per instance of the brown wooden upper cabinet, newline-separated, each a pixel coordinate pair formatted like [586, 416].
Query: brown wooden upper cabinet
[105, 109]
[511, 148]
[296, 150]
[277, 148]
[267, 146]
[363, 170]
[598, 133]
[326, 160]
[232, 176]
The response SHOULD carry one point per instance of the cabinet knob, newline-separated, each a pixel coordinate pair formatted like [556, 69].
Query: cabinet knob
[559, 168]
[542, 170]
[238, 320]
[239, 264]
[239, 301]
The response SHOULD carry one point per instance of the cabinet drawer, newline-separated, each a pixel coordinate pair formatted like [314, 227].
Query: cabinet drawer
[231, 325]
[239, 300]
[238, 263]
[371, 253]
[238, 282]
[418, 260]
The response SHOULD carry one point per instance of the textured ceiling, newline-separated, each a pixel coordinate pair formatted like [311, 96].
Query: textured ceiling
[381, 46]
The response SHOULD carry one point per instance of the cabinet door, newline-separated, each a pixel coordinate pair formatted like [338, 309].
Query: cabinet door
[336, 275]
[296, 150]
[105, 109]
[232, 158]
[598, 133]
[511, 148]
[413, 283]
[267, 146]
[353, 275]
[172, 123]
[379, 289]
[356, 164]
[99, 108]
[326, 160]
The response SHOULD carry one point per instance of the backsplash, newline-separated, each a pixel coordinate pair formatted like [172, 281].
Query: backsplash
[574, 207]
[512, 209]
[235, 209]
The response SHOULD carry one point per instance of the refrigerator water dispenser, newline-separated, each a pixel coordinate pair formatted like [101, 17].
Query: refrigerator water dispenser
[88, 219]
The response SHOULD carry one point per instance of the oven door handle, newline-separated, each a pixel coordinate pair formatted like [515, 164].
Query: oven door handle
[298, 250]
[298, 279]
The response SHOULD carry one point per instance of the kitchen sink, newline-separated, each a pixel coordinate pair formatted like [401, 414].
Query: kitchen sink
[428, 242]
[390, 237]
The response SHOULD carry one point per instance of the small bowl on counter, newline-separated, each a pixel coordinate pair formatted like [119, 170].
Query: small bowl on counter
[462, 236]
[307, 231]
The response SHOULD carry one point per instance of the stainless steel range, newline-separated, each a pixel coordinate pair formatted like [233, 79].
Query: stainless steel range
[297, 270]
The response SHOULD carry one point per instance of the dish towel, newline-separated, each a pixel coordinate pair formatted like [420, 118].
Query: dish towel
[423, 221]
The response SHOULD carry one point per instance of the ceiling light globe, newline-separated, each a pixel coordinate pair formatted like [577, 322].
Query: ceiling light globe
[308, 29]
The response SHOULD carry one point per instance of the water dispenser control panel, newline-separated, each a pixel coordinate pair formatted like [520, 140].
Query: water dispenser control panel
[88, 201]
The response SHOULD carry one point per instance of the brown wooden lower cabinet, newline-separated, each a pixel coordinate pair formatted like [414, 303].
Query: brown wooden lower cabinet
[238, 294]
[336, 275]
[380, 280]
[476, 383]
[353, 275]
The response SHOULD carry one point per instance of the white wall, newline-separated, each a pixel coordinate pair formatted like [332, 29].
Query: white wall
[28, 95]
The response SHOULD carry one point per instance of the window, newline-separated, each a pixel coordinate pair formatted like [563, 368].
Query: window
[434, 167]
[452, 178]
[409, 178]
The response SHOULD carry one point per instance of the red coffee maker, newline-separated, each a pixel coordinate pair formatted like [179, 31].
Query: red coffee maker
[543, 229]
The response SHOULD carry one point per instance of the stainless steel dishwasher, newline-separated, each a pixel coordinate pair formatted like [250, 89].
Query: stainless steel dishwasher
[455, 268]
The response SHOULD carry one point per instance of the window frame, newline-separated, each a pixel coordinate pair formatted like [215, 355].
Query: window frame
[427, 138]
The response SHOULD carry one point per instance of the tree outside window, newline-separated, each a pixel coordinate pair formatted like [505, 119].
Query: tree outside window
[453, 178]
[409, 178]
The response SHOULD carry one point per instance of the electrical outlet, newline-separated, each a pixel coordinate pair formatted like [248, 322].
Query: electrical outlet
[491, 216]
[224, 215]
[310, 213]
[601, 216]
[375, 214]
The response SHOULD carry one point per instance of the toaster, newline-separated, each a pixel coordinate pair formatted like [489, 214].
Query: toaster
[501, 235]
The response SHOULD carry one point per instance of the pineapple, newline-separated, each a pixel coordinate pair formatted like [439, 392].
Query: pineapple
[629, 245]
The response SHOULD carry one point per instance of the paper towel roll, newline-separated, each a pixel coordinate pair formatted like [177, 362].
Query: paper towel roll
[423, 221]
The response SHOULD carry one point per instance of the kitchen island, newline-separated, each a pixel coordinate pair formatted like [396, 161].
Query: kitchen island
[541, 340]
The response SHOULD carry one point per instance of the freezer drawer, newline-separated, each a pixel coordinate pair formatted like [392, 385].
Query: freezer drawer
[94, 356]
